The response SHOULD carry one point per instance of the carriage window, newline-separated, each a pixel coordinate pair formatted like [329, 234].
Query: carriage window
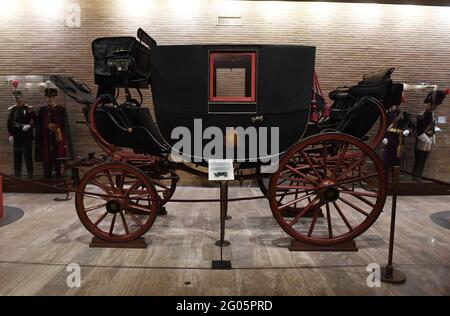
[232, 77]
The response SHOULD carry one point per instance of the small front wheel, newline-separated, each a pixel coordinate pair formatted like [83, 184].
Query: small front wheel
[116, 202]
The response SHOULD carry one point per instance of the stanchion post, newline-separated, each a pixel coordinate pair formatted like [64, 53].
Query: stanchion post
[388, 273]
[222, 264]
[223, 214]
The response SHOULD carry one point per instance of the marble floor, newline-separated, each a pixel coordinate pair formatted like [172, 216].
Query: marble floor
[35, 252]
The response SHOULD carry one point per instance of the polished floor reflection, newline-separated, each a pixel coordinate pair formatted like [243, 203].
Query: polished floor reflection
[36, 249]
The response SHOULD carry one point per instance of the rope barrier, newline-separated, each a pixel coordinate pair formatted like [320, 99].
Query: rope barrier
[67, 189]
[70, 190]
[426, 178]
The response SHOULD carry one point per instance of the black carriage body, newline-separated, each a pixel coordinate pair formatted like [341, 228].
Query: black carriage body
[278, 89]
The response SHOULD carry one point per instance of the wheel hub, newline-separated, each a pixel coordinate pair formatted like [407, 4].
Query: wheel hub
[114, 206]
[329, 193]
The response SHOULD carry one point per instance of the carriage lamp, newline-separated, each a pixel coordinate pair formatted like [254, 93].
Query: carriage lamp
[121, 61]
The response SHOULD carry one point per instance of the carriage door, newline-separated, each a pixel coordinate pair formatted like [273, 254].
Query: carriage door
[232, 81]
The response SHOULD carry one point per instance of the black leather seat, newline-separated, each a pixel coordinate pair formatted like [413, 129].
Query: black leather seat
[131, 127]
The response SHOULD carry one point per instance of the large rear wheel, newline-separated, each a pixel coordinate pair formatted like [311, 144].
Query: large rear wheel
[331, 174]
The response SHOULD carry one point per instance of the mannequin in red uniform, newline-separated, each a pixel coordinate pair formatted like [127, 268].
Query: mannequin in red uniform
[51, 135]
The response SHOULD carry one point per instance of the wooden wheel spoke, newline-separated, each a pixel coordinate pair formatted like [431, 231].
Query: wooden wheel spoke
[301, 174]
[137, 192]
[354, 206]
[101, 186]
[125, 224]
[359, 195]
[356, 179]
[101, 218]
[295, 201]
[292, 179]
[313, 222]
[303, 212]
[295, 187]
[343, 217]
[351, 167]
[135, 219]
[140, 197]
[113, 221]
[95, 207]
[325, 162]
[95, 196]
[282, 197]
[138, 209]
[341, 157]
[110, 180]
[308, 160]
[134, 186]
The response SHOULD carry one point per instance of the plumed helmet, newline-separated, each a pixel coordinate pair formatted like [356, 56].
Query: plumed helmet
[436, 97]
[50, 89]
[50, 92]
[17, 94]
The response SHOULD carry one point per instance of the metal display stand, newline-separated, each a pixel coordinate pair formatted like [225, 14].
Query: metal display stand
[222, 264]
[388, 273]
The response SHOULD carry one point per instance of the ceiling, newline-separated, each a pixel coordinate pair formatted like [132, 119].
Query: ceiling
[416, 2]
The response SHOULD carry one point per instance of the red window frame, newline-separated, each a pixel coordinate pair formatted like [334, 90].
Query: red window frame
[252, 97]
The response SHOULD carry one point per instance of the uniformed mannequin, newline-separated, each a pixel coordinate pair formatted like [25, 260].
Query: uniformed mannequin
[426, 129]
[21, 121]
[51, 140]
[399, 127]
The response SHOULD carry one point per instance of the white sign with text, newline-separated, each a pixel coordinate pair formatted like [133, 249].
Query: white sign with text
[220, 169]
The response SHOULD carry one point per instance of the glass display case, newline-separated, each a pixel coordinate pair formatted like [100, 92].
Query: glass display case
[31, 135]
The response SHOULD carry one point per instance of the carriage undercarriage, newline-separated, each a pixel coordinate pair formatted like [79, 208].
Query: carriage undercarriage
[332, 178]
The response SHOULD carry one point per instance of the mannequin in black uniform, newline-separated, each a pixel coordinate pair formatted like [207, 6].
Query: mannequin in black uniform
[426, 129]
[21, 121]
[400, 126]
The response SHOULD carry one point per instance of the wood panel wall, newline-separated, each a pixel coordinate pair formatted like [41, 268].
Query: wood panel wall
[351, 39]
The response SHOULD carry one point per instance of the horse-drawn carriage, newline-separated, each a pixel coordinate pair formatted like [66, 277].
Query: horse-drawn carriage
[329, 185]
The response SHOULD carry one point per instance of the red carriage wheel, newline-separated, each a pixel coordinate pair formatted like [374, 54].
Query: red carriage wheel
[165, 185]
[116, 202]
[331, 174]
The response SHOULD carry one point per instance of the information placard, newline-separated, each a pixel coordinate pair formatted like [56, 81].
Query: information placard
[220, 169]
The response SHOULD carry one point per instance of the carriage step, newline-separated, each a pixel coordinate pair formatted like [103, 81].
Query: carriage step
[344, 247]
[135, 244]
